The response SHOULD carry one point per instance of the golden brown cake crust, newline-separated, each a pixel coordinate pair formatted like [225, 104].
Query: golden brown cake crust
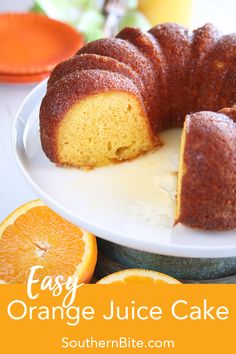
[215, 90]
[146, 43]
[203, 41]
[208, 195]
[94, 62]
[230, 112]
[70, 90]
[126, 53]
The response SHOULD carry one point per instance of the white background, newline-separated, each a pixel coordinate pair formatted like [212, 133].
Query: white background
[13, 189]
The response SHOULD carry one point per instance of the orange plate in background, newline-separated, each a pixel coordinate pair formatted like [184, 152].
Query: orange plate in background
[31, 43]
[18, 79]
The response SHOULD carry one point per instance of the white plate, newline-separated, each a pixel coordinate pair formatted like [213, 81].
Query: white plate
[125, 203]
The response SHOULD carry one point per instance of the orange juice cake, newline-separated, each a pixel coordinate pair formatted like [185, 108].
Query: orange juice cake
[108, 103]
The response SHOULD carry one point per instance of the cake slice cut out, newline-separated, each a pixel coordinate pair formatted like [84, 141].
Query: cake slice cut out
[207, 173]
[99, 118]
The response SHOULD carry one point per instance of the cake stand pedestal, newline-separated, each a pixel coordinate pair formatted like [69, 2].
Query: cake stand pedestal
[113, 257]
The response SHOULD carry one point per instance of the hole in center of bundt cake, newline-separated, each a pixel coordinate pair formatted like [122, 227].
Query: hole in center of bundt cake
[103, 127]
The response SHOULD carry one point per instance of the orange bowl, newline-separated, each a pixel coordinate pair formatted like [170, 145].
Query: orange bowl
[21, 79]
[33, 44]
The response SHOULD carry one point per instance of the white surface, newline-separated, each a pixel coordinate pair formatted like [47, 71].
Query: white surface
[131, 203]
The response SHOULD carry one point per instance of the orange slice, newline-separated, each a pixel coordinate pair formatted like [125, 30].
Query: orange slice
[35, 235]
[32, 43]
[138, 276]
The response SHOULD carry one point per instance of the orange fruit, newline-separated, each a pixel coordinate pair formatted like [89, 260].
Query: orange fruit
[138, 276]
[35, 235]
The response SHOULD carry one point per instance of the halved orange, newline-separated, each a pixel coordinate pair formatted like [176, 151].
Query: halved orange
[138, 276]
[35, 235]
[32, 43]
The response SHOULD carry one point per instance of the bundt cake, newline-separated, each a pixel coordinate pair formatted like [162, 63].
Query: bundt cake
[109, 102]
[104, 119]
[207, 174]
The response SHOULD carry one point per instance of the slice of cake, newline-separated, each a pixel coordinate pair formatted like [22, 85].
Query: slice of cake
[207, 173]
